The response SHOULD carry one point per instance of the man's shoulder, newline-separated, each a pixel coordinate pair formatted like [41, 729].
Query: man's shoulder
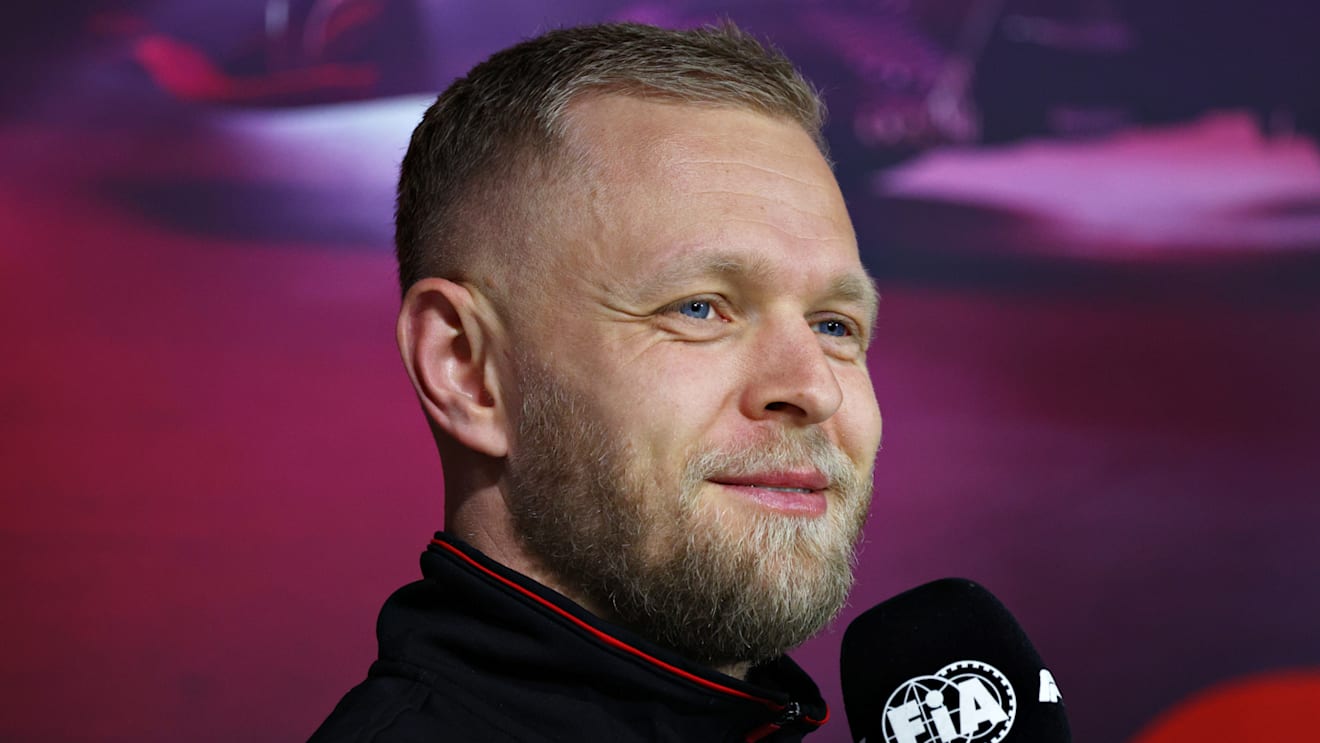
[387, 708]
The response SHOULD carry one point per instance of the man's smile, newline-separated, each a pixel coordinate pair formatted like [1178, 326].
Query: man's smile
[800, 492]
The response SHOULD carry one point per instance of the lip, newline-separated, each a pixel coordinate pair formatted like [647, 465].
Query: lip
[797, 479]
[799, 493]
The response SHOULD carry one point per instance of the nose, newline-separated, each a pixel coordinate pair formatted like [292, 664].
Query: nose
[789, 377]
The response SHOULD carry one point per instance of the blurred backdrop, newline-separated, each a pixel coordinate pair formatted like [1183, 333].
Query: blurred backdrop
[1095, 224]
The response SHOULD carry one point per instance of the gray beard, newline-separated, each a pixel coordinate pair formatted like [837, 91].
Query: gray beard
[719, 585]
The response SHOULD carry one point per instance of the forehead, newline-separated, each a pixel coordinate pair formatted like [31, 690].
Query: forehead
[663, 177]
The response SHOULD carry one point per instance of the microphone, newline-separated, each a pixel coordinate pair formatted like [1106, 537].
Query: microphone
[946, 663]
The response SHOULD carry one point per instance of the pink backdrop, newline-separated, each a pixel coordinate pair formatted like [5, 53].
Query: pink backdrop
[1096, 359]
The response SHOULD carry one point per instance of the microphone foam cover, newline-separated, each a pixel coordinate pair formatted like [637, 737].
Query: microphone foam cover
[947, 662]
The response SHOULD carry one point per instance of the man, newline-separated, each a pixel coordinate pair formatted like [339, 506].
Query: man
[636, 320]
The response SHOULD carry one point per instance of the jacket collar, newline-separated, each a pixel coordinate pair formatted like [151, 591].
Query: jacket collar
[506, 635]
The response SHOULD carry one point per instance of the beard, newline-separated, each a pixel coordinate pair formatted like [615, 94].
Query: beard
[722, 583]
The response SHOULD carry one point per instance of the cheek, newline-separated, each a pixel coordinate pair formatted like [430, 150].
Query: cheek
[860, 423]
[672, 410]
[672, 381]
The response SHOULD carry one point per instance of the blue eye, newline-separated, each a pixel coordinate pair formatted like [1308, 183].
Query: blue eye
[695, 308]
[834, 328]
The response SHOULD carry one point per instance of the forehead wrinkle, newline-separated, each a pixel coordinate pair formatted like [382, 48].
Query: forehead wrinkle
[782, 229]
[810, 183]
[796, 214]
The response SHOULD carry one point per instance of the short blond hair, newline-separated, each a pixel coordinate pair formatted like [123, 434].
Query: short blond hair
[484, 145]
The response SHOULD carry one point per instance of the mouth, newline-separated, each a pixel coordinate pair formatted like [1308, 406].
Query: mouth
[797, 493]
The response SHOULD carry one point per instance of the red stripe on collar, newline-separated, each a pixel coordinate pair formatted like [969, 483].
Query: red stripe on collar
[614, 641]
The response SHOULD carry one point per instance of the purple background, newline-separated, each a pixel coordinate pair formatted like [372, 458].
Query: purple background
[1096, 356]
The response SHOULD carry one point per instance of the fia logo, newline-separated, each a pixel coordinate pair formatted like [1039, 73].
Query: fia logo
[968, 701]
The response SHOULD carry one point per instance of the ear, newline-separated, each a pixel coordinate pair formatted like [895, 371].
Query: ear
[447, 352]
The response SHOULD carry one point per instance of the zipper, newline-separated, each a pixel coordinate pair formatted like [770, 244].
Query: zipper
[792, 712]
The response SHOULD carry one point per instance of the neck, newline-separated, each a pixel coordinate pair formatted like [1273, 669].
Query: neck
[482, 520]
[737, 670]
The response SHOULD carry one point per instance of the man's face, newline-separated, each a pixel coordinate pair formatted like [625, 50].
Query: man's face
[697, 425]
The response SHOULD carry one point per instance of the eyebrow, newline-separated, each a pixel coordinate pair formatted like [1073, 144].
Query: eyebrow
[721, 265]
[859, 288]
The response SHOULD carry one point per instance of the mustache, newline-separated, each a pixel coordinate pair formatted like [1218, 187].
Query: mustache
[782, 451]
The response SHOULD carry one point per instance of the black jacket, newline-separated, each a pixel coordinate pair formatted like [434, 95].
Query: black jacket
[478, 652]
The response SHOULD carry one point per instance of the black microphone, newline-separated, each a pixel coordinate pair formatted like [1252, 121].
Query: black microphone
[946, 663]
